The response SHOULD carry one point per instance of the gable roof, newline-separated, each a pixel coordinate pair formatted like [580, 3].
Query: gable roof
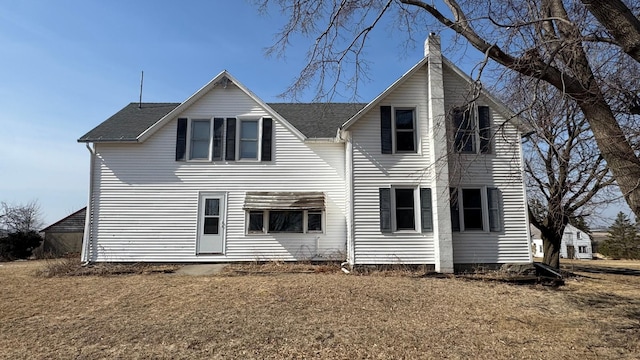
[495, 103]
[382, 95]
[223, 79]
[128, 123]
[317, 120]
[313, 120]
[71, 223]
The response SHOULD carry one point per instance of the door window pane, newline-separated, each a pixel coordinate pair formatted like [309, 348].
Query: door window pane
[212, 207]
[211, 225]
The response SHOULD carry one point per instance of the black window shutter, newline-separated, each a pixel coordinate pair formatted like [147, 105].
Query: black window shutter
[493, 200]
[230, 150]
[426, 210]
[455, 210]
[385, 210]
[218, 123]
[385, 129]
[181, 140]
[267, 135]
[484, 124]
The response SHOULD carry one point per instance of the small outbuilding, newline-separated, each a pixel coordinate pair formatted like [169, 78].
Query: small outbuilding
[576, 244]
[64, 236]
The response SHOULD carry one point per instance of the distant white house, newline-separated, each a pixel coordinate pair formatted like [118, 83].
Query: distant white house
[576, 244]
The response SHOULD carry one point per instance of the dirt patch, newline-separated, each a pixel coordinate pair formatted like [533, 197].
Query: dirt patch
[311, 315]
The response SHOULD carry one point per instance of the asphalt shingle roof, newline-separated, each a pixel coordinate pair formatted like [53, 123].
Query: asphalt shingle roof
[317, 120]
[128, 123]
[314, 120]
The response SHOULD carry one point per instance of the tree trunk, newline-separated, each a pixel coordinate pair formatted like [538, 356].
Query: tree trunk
[615, 149]
[551, 248]
[621, 23]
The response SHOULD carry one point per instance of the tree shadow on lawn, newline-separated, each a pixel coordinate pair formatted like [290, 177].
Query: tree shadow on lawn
[602, 270]
[622, 313]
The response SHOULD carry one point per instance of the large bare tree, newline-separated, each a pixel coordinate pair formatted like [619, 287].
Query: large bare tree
[575, 46]
[567, 177]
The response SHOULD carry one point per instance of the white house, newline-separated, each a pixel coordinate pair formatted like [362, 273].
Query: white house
[429, 172]
[576, 244]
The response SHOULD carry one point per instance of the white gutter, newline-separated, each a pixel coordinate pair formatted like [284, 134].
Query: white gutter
[86, 239]
[346, 136]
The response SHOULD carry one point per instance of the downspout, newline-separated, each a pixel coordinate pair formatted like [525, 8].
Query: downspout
[88, 221]
[350, 261]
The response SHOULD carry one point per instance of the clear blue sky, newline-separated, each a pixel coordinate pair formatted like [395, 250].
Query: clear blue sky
[67, 65]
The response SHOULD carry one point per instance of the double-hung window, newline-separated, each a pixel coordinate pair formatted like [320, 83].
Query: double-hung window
[200, 139]
[472, 130]
[405, 209]
[249, 140]
[398, 130]
[229, 139]
[475, 209]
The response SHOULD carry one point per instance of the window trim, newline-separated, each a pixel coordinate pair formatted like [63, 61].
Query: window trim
[265, 222]
[484, 196]
[394, 130]
[239, 121]
[190, 139]
[394, 210]
[477, 146]
[389, 131]
[390, 213]
[261, 141]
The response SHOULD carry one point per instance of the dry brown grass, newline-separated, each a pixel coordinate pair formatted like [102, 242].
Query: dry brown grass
[309, 315]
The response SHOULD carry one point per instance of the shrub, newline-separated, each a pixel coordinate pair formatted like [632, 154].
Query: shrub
[19, 245]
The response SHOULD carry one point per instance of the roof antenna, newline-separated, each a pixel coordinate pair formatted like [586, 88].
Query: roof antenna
[141, 81]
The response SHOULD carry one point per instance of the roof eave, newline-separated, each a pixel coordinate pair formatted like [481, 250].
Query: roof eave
[519, 122]
[201, 92]
[383, 94]
[108, 141]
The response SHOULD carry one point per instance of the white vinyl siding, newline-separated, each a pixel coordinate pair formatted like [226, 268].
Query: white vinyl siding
[373, 170]
[501, 169]
[146, 203]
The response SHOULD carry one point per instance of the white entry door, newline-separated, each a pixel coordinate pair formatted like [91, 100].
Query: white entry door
[211, 224]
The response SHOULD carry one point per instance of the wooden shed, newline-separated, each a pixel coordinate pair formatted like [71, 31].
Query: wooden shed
[64, 236]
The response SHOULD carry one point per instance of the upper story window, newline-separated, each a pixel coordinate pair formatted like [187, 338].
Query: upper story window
[200, 142]
[472, 127]
[249, 139]
[475, 209]
[230, 139]
[398, 132]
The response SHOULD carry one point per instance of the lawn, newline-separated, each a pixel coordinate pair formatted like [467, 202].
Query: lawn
[285, 314]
